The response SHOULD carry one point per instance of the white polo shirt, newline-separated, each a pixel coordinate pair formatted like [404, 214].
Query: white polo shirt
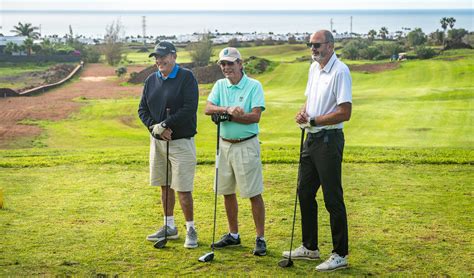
[327, 88]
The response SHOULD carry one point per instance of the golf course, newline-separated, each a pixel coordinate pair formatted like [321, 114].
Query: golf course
[77, 200]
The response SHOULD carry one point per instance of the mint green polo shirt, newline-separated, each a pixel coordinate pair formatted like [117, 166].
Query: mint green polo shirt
[248, 94]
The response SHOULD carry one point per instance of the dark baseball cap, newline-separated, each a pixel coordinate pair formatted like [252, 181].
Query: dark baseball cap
[163, 49]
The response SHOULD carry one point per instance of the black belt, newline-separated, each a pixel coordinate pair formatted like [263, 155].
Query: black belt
[238, 140]
[324, 132]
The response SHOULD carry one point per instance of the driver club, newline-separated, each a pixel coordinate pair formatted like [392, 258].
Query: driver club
[210, 256]
[161, 243]
[288, 262]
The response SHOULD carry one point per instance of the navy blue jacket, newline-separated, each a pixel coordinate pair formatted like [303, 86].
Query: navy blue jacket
[180, 94]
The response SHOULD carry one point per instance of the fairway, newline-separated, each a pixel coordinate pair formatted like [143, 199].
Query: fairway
[77, 201]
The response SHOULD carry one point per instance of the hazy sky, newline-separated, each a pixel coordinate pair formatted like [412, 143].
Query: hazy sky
[144, 5]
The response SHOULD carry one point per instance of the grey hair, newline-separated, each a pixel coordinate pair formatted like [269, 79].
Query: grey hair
[328, 36]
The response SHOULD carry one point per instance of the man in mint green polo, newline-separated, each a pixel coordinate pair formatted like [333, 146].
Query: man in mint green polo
[240, 99]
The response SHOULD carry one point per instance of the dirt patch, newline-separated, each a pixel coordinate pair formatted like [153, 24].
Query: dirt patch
[94, 78]
[373, 68]
[58, 104]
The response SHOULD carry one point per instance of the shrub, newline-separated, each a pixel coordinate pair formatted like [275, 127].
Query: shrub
[416, 37]
[292, 40]
[423, 52]
[436, 38]
[351, 49]
[91, 54]
[255, 65]
[369, 53]
[468, 39]
[201, 51]
[112, 48]
[234, 42]
[392, 48]
[258, 42]
[120, 71]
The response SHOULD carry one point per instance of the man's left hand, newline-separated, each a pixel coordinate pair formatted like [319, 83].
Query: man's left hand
[305, 125]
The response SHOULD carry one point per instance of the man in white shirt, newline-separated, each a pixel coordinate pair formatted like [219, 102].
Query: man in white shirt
[328, 105]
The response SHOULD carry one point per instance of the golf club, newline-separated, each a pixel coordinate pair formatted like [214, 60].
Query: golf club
[288, 262]
[210, 256]
[161, 243]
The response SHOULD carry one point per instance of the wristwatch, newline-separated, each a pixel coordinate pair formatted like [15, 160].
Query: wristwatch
[163, 125]
[312, 121]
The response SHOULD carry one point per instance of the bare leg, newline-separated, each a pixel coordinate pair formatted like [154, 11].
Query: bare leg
[171, 200]
[232, 210]
[186, 201]
[258, 211]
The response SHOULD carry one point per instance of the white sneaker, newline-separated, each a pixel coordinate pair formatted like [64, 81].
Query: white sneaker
[191, 239]
[302, 253]
[333, 263]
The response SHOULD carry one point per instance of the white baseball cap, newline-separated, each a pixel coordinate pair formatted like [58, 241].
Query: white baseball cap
[230, 54]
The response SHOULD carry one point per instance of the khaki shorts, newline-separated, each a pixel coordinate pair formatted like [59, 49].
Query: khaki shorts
[182, 159]
[240, 167]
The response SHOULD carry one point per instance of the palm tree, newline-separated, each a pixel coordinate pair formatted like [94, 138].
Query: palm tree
[28, 44]
[26, 30]
[444, 24]
[451, 21]
[372, 33]
[383, 33]
[11, 48]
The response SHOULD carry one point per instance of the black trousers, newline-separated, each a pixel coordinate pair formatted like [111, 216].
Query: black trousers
[321, 166]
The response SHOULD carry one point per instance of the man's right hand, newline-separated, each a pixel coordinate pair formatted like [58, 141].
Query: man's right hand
[166, 135]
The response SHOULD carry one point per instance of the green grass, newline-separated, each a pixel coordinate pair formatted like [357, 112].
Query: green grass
[68, 221]
[78, 203]
[277, 53]
[11, 69]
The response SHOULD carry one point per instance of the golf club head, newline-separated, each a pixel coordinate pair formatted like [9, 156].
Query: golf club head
[285, 263]
[206, 257]
[160, 243]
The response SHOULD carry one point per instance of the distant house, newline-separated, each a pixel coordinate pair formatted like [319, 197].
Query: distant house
[18, 40]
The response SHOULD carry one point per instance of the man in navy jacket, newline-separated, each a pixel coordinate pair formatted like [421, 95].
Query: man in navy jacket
[176, 89]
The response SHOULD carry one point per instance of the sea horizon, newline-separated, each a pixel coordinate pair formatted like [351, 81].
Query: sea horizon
[92, 23]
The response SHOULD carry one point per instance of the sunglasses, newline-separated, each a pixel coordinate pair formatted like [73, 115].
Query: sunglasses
[315, 44]
[223, 63]
[161, 56]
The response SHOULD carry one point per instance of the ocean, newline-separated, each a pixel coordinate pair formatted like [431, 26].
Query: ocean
[93, 23]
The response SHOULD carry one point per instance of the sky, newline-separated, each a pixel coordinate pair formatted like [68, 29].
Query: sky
[165, 5]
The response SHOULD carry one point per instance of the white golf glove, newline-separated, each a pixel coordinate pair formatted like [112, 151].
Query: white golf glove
[305, 125]
[157, 129]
